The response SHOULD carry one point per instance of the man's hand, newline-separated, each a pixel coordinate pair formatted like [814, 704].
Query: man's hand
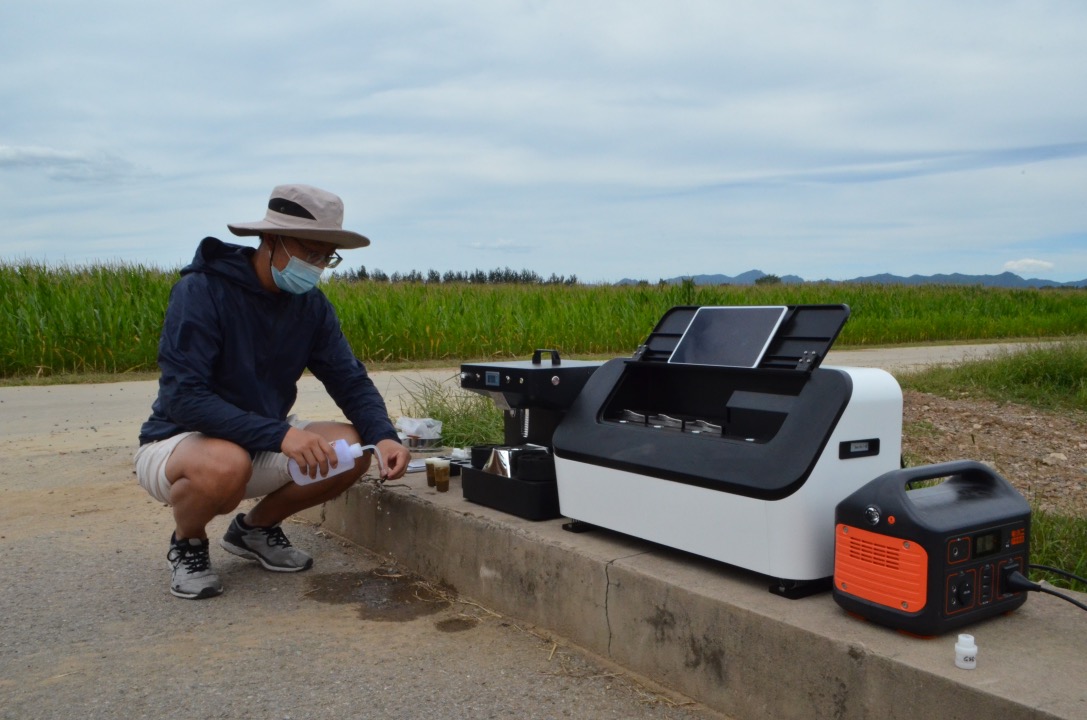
[311, 451]
[396, 458]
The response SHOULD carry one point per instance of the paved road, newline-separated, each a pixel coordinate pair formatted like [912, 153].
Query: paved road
[907, 359]
[88, 627]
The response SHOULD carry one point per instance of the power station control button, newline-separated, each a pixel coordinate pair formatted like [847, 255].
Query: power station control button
[958, 550]
[986, 584]
[966, 592]
[953, 603]
[960, 591]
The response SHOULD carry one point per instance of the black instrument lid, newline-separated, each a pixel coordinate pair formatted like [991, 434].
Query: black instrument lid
[799, 342]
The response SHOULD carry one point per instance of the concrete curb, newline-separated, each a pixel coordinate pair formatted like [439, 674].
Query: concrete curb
[712, 632]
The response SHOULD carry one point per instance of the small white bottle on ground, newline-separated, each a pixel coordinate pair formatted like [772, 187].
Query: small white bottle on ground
[345, 460]
[966, 652]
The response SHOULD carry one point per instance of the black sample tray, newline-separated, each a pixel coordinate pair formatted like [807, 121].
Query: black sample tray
[531, 500]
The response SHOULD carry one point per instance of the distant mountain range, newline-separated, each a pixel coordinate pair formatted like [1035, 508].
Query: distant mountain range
[1004, 280]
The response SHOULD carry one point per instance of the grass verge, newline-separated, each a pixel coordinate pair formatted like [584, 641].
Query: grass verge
[467, 418]
[1052, 377]
[1059, 542]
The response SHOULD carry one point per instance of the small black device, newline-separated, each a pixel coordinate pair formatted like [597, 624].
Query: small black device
[534, 396]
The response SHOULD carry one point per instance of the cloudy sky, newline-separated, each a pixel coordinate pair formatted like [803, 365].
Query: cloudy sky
[597, 138]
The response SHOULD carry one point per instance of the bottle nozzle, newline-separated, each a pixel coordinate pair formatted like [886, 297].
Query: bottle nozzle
[358, 449]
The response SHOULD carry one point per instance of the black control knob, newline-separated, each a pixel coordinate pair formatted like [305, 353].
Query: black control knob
[966, 592]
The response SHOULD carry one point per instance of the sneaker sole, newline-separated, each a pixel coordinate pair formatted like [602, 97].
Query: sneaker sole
[250, 555]
[204, 593]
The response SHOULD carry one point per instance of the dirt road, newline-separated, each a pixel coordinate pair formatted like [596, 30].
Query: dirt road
[89, 629]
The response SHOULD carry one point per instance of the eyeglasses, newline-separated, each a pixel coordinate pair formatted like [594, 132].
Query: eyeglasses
[326, 261]
[330, 260]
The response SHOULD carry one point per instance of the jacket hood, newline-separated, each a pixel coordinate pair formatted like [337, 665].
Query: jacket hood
[229, 261]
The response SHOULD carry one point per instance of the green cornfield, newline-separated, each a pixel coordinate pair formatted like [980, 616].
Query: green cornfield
[106, 318]
[102, 318]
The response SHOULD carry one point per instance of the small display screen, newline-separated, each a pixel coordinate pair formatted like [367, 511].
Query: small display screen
[492, 378]
[986, 544]
[728, 336]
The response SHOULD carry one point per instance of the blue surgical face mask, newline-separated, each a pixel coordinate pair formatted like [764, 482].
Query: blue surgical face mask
[299, 277]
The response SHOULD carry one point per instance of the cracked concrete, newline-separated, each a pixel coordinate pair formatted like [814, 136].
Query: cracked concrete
[607, 594]
[715, 633]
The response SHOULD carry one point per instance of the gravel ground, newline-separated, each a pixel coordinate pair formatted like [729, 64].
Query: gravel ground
[88, 628]
[90, 631]
[1043, 454]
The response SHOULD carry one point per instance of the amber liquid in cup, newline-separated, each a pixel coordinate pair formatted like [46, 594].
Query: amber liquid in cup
[430, 472]
[441, 475]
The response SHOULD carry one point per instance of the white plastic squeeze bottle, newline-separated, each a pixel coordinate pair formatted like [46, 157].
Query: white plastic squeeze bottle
[345, 460]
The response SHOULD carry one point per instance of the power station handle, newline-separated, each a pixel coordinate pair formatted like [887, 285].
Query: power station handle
[968, 469]
[537, 357]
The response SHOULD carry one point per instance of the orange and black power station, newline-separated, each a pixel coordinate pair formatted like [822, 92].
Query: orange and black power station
[927, 558]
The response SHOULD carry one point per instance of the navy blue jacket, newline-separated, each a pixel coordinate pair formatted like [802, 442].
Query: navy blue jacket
[231, 354]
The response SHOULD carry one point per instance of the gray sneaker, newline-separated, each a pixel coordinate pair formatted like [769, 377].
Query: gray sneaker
[193, 577]
[267, 545]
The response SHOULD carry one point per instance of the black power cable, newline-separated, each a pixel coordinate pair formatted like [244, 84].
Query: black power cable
[1015, 580]
[1058, 571]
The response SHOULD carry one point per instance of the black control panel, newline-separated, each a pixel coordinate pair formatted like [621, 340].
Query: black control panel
[977, 564]
[546, 381]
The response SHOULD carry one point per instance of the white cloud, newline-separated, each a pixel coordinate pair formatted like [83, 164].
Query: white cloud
[67, 164]
[607, 139]
[1028, 265]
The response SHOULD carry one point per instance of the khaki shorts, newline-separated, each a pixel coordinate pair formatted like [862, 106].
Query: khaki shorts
[269, 468]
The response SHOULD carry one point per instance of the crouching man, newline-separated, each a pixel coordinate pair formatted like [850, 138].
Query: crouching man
[241, 326]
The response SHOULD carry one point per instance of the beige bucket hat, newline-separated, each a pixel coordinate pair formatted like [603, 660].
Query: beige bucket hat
[305, 212]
